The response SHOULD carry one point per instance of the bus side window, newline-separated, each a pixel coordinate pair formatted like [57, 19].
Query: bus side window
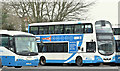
[11, 46]
[45, 49]
[51, 30]
[90, 47]
[68, 29]
[4, 41]
[117, 45]
[58, 29]
[78, 29]
[43, 30]
[40, 47]
[34, 30]
[88, 28]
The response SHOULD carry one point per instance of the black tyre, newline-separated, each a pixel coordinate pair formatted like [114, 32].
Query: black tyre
[97, 64]
[18, 66]
[0, 63]
[113, 64]
[42, 61]
[79, 61]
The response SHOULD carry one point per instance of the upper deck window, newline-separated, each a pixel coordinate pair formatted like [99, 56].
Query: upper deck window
[78, 29]
[43, 30]
[51, 29]
[88, 28]
[68, 29]
[116, 31]
[34, 30]
[100, 28]
[58, 29]
[62, 29]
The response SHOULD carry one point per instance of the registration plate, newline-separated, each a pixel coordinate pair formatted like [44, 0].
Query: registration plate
[28, 63]
[29, 57]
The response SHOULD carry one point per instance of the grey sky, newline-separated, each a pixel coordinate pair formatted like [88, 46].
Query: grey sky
[106, 10]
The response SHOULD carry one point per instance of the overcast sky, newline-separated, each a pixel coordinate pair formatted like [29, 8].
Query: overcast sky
[106, 10]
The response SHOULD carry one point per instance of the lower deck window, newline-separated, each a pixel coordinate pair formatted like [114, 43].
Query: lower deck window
[90, 46]
[117, 45]
[53, 47]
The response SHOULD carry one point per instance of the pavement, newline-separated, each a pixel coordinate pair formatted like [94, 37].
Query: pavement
[62, 68]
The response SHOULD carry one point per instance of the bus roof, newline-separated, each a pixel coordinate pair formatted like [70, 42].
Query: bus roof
[55, 23]
[116, 26]
[12, 33]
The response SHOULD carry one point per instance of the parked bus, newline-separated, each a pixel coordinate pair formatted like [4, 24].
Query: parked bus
[18, 49]
[74, 42]
[116, 30]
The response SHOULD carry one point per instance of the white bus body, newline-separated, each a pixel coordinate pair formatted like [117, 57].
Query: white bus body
[74, 42]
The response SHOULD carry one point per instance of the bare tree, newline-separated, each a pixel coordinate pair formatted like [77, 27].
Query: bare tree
[20, 14]
[9, 20]
[51, 11]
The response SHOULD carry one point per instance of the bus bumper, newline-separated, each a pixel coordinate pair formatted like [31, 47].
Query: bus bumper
[10, 61]
[21, 62]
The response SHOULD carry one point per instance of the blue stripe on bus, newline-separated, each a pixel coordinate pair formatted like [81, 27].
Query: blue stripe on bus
[10, 61]
[59, 61]
[117, 58]
[79, 22]
[114, 38]
[28, 28]
[97, 59]
[55, 61]
[71, 56]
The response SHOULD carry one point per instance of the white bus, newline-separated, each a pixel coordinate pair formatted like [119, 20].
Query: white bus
[18, 49]
[74, 42]
[116, 30]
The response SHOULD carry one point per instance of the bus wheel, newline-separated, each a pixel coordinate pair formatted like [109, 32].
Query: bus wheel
[0, 63]
[42, 61]
[18, 66]
[97, 64]
[79, 61]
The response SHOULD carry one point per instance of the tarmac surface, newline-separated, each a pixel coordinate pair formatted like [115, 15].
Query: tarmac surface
[64, 68]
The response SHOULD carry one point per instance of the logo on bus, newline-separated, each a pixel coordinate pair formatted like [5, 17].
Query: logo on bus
[48, 38]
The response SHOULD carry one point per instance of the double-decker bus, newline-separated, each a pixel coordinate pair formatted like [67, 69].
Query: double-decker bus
[116, 30]
[74, 42]
[18, 49]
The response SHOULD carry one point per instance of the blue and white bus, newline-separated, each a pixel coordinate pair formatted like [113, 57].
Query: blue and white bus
[116, 30]
[74, 42]
[18, 49]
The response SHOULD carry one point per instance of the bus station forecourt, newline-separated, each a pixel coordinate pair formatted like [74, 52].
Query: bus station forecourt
[78, 42]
